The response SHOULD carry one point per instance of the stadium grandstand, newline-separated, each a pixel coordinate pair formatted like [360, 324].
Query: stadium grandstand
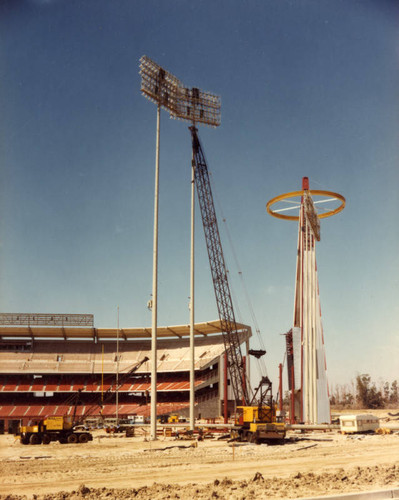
[47, 359]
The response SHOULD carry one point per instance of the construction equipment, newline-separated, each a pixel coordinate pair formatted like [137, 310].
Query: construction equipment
[260, 424]
[69, 428]
[50, 429]
[107, 396]
[174, 419]
[257, 421]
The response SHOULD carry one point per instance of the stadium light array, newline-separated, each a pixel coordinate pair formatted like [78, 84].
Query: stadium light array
[195, 105]
[163, 88]
[158, 85]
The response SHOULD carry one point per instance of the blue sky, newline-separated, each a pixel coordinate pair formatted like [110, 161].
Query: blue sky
[308, 88]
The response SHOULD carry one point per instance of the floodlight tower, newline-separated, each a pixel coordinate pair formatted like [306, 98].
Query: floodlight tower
[306, 363]
[160, 87]
[195, 106]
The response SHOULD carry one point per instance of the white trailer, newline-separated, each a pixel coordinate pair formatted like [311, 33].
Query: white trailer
[351, 424]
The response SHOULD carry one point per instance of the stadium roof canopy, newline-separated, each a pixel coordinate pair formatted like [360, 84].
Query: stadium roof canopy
[46, 332]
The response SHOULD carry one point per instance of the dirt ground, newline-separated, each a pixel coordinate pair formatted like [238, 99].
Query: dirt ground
[116, 467]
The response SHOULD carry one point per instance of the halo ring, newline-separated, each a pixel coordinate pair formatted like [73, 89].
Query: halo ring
[292, 194]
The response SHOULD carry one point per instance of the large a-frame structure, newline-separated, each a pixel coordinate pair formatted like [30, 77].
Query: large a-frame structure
[308, 374]
[306, 359]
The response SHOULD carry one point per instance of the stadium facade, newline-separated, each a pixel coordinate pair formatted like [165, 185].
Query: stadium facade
[44, 365]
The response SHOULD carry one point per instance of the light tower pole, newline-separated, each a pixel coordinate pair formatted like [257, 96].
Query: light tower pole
[154, 305]
[192, 300]
[306, 363]
[158, 86]
[117, 369]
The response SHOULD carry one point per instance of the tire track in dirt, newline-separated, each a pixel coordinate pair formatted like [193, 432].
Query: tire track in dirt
[127, 473]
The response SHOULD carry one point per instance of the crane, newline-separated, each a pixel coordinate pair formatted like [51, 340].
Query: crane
[108, 394]
[258, 419]
[219, 273]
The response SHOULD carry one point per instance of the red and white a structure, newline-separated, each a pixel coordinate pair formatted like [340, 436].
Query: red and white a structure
[306, 359]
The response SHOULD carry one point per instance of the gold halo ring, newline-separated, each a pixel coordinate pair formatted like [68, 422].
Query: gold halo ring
[292, 194]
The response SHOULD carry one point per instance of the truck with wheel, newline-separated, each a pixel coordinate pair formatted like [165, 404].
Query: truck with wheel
[50, 429]
[69, 428]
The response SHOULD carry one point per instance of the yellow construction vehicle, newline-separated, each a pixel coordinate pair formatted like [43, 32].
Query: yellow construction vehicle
[53, 429]
[69, 428]
[258, 428]
[259, 423]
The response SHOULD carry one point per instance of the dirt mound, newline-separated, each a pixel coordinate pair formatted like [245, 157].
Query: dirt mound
[258, 487]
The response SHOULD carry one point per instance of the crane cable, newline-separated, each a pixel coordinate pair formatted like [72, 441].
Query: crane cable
[260, 361]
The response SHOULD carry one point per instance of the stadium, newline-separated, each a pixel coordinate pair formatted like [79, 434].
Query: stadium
[50, 368]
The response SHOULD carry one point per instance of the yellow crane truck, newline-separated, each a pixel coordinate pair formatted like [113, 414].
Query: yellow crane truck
[68, 428]
[60, 429]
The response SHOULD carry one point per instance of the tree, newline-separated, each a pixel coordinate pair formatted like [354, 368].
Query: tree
[386, 392]
[348, 399]
[375, 399]
[362, 389]
[367, 394]
[394, 396]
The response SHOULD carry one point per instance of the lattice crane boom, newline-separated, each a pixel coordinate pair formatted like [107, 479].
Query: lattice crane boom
[219, 274]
